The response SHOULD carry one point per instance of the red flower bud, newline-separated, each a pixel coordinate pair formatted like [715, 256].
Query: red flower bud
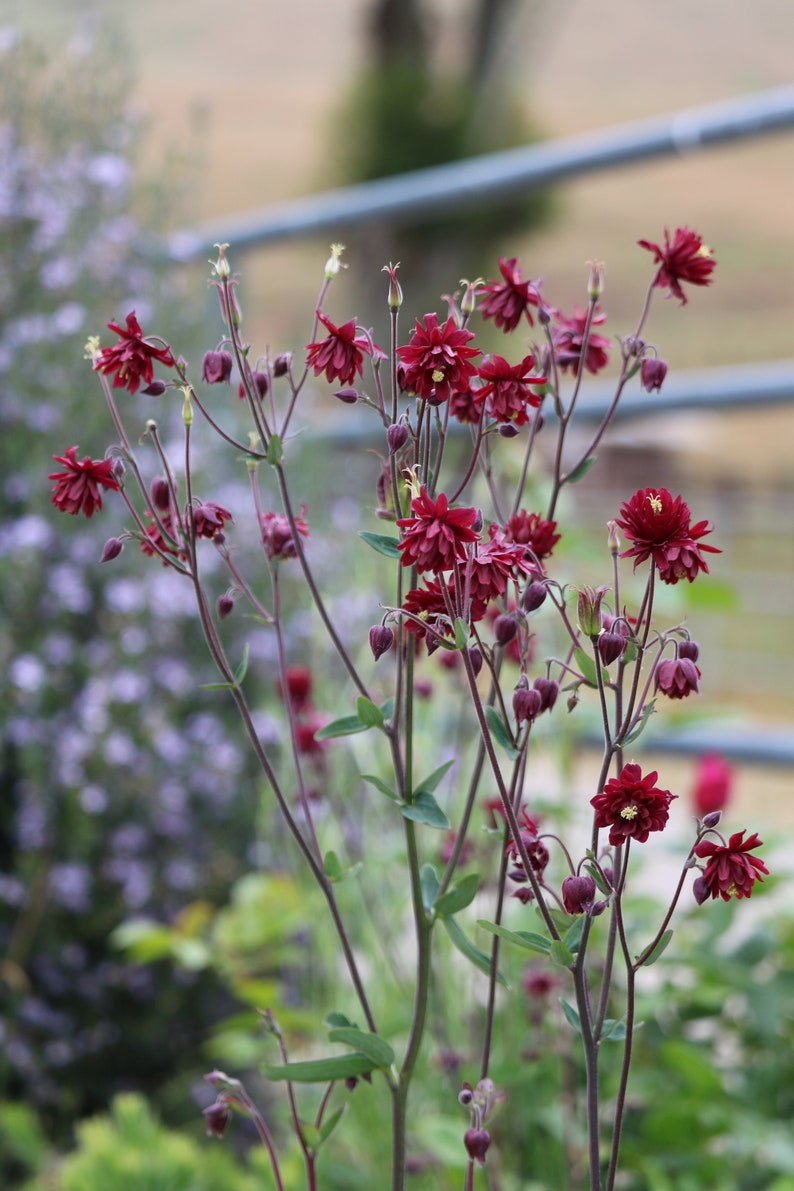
[160, 494]
[505, 629]
[381, 639]
[533, 597]
[548, 690]
[477, 1142]
[396, 436]
[610, 646]
[216, 368]
[578, 894]
[113, 548]
[652, 374]
[224, 606]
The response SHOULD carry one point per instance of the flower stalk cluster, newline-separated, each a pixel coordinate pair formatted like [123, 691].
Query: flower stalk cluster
[473, 572]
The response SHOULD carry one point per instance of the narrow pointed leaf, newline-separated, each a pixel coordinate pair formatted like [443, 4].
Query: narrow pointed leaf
[647, 712]
[330, 1124]
[573, 936]
[321, 1070]
[581, 471]
[588, 669]
[425, 809]
[657, 952]
[368, 714]
[336, 1021]
[461, 633]
[383, 543]
[472, 953]
[459, 896]
[571, 1014]
[521, 938]
[370, 1045]
[347, 725]
[275, 451]
[428, 879]
[380, 785]
[560, 954]
[500, 733]
[431, 783]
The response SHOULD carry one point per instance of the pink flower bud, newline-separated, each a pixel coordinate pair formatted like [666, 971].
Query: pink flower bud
[477, 1142]
[526, 704]
[396, 436]
[160, 494]
[548, 690]
[578, 894]
[113, 548]
[534, 595]
[155, 389]
[505, 629]
[224, 606]
[348, 396]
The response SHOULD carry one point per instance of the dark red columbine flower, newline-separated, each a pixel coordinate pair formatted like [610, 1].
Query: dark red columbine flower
[568, 340]
[341, 354]
[730, 869]
[77, 489]
[130, 361]
[686, 258]
[436, 535]
[209, 518]
[659, 526]
[677, 678]
[508, 300]
[713, 780]
[530, 530]
[466, 407]
[277, 536]
[492, 566]
[436, 361]
[632, 806]
[506, 390]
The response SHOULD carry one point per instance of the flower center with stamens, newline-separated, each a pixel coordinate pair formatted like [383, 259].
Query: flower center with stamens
[437, 375]
[656, 503]
[629, 812]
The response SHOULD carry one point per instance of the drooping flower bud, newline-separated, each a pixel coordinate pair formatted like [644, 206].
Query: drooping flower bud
[611, 645]
[216, 368]
[155, 389]
[475, 658]
[381, 639]
[217, 1118]
[224, 606]
[652, 374]
[477, 1142]
[526, 704]
[160, 494]
[548, 690]
[578, 894]
[281, 364]
[534, 595]
[689, 649]
[396, 436]
[504, 629]
[113, 548]
[700, 889]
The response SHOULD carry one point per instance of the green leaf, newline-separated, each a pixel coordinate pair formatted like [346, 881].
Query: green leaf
[275, 452]
[370, 1045]
[428, 879]
[657, 952]
[588, 669]
[500, 732]
[573, 936]
[331, 1123]
[571, 1014]
[380, 785]
[461, 895]
[337, 1021]
[595, 873]
[311, 1135]
[522, 938]
[615, 1030]
[431, 783]
[425, 809]
[368, 714]
[321, 1070]
[647, 712]
[560, 954]
[462, 633]
[242, 669]
[472, 953]
[581, 471]
[383, 543]
[332, 867]
[348, 725]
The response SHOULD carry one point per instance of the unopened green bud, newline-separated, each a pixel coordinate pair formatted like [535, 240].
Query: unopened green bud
[334, 264]
[187, 407]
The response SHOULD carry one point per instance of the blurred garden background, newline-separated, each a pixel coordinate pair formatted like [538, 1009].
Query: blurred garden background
[126, 790]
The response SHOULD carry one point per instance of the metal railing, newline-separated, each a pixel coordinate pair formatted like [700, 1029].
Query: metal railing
[495, 176]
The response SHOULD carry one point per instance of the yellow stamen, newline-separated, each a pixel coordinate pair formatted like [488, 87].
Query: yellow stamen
[655, 503]
[437, 375]
[629, 812]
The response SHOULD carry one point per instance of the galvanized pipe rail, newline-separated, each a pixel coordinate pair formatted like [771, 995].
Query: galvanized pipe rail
[494, 176]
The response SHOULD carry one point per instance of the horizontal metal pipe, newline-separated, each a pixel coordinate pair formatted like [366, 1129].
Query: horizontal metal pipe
[494, 176]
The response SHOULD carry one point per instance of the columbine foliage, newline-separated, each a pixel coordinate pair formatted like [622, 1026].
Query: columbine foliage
[469, 568]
